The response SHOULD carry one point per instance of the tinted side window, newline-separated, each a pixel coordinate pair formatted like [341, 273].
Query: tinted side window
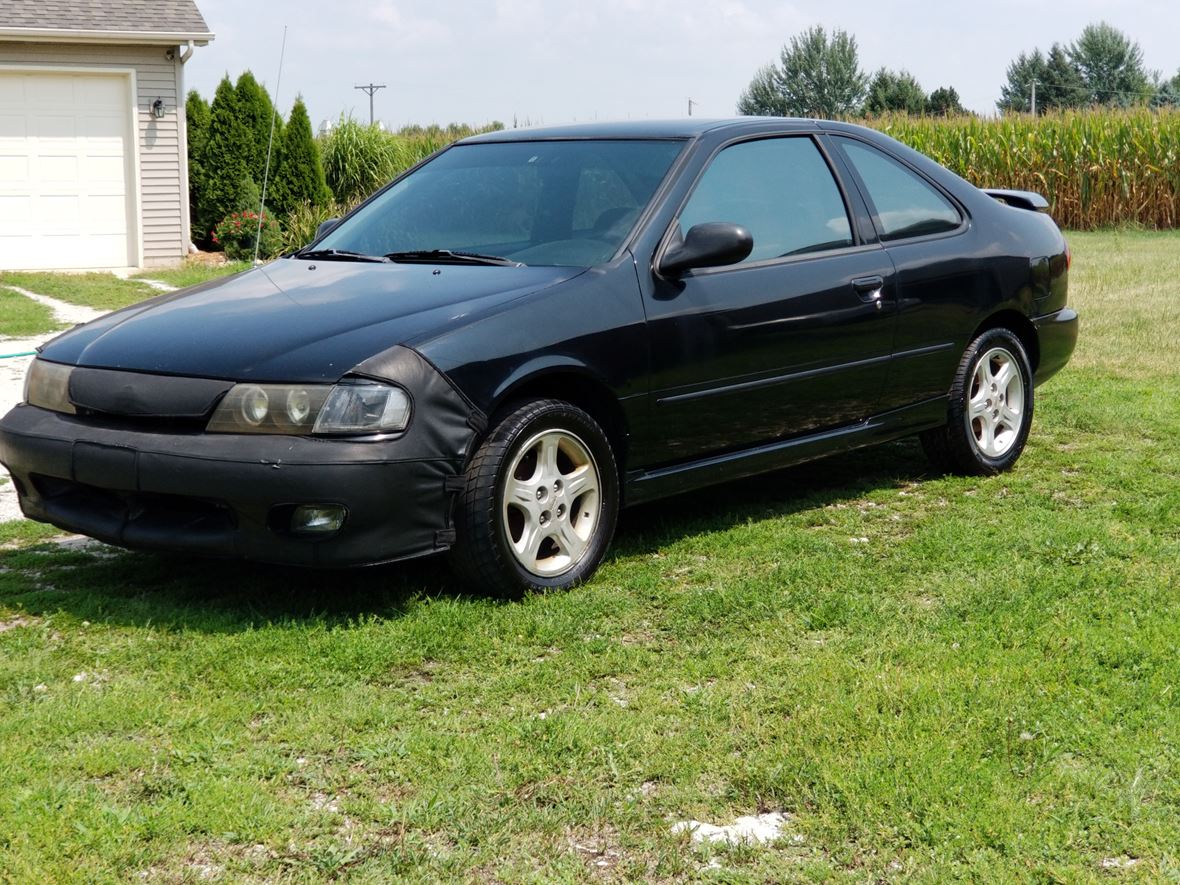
[780, 190]
[905, 205]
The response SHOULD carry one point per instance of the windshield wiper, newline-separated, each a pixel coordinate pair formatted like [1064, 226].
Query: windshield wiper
[448, 256]
[339, 255]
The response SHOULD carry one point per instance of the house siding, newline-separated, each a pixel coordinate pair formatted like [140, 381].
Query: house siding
[163, 189]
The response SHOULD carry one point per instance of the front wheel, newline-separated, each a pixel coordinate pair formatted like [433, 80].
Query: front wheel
[990, 411]
[540, 502]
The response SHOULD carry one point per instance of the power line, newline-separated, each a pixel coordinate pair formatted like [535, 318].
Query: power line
[1083, 88]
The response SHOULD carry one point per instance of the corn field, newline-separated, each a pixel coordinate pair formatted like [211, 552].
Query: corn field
[1097, 168]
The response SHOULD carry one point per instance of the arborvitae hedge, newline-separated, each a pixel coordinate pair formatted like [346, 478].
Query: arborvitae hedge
[228, 183]
[197, 116]
[300, 175]
[256, 111]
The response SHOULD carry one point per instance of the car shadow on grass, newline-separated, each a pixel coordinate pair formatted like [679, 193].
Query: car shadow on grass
[102, 584]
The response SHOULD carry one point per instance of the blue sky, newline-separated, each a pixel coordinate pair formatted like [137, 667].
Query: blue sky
[552, 61]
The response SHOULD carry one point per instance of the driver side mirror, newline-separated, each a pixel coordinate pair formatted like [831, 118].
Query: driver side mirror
[713, 244]
[326, 226]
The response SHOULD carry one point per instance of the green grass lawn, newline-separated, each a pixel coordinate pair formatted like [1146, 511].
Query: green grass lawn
[937, 678]
[192, 273]
[104, 291]
[21, 317]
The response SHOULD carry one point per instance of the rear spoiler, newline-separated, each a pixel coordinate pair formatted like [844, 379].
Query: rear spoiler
[1029, 200]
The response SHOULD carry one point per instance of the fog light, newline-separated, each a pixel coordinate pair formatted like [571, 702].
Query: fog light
[317, 519]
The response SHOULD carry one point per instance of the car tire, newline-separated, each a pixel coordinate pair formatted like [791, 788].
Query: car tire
[540, 502]
[990, 410]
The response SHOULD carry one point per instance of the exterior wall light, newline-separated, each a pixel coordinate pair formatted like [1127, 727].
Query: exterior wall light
[158, 108]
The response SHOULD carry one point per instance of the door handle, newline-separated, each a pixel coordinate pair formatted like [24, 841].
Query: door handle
[870, 289]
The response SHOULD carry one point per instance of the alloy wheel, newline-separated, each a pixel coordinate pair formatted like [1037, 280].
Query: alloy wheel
[550, 502]
[995, 409]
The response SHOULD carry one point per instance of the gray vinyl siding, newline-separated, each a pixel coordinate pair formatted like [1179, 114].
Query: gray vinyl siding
[163, 191]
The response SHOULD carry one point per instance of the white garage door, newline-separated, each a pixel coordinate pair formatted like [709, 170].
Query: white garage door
[66, 190]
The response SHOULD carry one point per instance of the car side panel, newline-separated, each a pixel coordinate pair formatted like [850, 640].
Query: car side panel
[746, 355]
[593, 326]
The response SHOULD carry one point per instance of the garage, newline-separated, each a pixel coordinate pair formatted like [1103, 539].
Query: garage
[93, 147]
[67, 161]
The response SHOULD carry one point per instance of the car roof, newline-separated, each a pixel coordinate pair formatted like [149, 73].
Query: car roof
[690, 127]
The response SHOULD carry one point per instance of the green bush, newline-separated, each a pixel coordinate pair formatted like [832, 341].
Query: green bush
[300, 224]
[358, 159]
[238, 231]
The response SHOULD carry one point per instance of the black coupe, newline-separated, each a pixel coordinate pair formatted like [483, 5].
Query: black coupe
[533, 328]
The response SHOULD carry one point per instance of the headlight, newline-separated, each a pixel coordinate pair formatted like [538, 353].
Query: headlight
[353, 406]
[48, 385]
[364, 407]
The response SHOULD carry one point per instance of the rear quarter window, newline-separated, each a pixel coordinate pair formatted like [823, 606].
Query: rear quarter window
[903, 203]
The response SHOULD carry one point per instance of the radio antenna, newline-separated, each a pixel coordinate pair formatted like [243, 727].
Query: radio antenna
[270, 146]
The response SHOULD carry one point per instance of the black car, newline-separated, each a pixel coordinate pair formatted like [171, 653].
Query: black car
[530, 329]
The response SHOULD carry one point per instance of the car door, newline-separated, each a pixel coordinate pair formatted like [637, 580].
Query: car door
[941, 284]
[795, 338]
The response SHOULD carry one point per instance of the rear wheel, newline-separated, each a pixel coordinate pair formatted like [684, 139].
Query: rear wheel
[540, 504]
[990, 411]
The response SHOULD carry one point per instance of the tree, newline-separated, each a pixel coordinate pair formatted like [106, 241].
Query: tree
[1110, 65]
[816, 77]
[1062, 86]
[300, 175]
[895, 91]
[1167, 92]
[229, 185]
[257, 112]
[764, 96]
[944, 102]
[196, 115]
[1016, 94]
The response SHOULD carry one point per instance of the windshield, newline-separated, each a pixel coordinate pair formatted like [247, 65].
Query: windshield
[538, 203]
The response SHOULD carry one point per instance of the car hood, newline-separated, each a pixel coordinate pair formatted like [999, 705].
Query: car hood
[295, 320]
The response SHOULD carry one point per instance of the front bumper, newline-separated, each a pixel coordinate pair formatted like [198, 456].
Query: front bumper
[226, 495]
[1057, 336]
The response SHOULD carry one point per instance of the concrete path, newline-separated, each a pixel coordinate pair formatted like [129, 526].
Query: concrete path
[12, 374]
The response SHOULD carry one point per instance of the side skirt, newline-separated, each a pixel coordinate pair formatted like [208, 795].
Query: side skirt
[647, 485]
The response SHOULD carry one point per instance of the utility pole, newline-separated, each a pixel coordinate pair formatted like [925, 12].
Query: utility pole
[371, 88]
[690, 104]
[1034, 98]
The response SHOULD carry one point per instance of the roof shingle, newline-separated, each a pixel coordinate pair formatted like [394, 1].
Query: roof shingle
[138, 16]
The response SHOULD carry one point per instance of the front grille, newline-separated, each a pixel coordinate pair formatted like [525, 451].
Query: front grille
[142, 424]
